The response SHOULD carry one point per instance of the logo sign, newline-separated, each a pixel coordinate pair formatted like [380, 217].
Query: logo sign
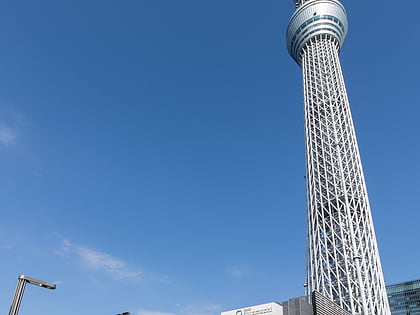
[263, 309]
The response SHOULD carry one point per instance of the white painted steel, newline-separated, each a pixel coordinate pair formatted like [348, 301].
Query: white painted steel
[342, 255]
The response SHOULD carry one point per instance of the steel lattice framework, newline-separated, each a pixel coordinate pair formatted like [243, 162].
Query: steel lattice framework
[342, 255]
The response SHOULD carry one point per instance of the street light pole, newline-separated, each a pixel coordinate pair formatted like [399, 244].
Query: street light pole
[20, 288]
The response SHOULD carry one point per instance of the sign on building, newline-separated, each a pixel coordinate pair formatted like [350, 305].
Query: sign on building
[263, 309]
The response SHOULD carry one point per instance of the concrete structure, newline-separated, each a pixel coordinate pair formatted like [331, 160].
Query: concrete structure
[298, 306]
[272, 308]
[324, 306]
[404, 298]
[342, 253]
[315, 304]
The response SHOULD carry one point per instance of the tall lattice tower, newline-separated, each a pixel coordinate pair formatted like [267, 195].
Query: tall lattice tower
[342, 254]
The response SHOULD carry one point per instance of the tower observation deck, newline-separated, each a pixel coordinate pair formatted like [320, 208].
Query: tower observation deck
[342, 254]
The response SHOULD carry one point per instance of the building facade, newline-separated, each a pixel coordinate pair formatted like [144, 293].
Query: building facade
[343, 261]
[314, 304]
[404, 298]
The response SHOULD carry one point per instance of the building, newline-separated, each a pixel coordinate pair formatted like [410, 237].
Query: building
[324, 306]
[298, 306]
[404, 298]
[342, 254]
[314, 304]
[272, 308]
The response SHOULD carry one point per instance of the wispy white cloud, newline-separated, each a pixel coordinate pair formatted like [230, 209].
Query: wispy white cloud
[7, 135]
[189, 309]
[237, 271]
[103, 262]
[153, 313]
[65, 249]
[199, 309]
[7, 244]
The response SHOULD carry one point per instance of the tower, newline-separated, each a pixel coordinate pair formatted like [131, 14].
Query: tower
[342, 254]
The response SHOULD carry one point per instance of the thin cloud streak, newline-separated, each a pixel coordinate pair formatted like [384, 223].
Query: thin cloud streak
[197, 309]
[153, 313]
[7, 135]
[237, 271]
[7, 244]
[103, 262]
[189, 309]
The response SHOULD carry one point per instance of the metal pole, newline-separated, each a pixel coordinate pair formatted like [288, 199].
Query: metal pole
[17, 298]
[20, 288]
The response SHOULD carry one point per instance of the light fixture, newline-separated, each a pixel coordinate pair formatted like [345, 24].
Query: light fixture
[20, 288]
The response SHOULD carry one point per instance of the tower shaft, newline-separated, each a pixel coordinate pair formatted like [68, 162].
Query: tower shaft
[342, 256]
[343, 260]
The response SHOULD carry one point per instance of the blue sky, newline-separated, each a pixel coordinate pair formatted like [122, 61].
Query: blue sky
[152, 152]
